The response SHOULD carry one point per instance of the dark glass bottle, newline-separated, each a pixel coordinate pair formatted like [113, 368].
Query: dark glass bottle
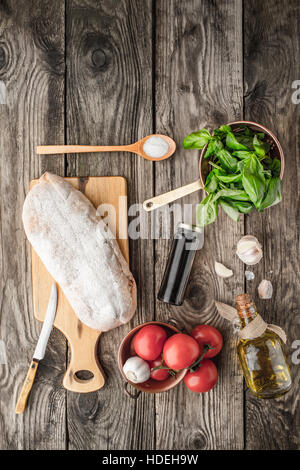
[187, 240]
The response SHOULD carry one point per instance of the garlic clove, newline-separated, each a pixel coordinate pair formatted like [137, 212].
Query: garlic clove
[265, 289]
[249, 275]
[249, 250]
[222, 271]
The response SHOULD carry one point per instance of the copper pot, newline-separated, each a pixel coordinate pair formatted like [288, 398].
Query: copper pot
[126, 350]
[276, 149]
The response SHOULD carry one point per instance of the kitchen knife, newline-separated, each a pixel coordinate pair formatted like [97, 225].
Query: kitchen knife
[39, 352]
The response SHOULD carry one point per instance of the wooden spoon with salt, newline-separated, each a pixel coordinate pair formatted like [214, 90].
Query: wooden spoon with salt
[153, 147]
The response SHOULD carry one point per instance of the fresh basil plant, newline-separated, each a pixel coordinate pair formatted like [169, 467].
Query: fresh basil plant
[243, 177]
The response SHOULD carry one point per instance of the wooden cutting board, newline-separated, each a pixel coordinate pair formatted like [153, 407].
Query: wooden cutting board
[82, 340]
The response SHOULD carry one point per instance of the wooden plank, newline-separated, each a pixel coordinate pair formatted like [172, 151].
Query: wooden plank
[31, 112]
[271, 44]
[199, 83]
[109, 86]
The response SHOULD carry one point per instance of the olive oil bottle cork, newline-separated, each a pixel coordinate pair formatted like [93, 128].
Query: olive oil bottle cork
[261, 354]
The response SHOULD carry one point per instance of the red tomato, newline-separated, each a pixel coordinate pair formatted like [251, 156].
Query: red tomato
[180, 351]
[204, 379]
[149, 341]
[206, 334]
[159, 374]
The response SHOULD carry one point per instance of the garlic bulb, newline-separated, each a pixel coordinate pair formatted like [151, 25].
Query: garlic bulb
[249, 250]
[265, 289]
[222, 271]
[136, 370]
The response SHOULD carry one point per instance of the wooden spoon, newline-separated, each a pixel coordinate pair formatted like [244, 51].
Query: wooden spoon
[137, 148]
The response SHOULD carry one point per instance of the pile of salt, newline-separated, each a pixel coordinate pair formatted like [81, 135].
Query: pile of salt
[156, 147]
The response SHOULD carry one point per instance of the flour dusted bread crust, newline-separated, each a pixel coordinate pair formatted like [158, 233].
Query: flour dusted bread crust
[80, 253]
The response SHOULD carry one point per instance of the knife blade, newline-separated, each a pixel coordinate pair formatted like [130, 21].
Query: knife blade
[40, 349]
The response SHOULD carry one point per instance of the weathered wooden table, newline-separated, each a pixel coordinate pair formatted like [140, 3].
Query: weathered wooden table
[88, 72]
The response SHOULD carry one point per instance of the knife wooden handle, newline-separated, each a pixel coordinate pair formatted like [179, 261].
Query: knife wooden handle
[27, 385]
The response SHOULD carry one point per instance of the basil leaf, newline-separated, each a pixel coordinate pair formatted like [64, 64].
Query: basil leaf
[267, 174]
[254, 187]
[260, 147]
[207, 211]
[230, 178]
[227, 160]
[218, 145]
[222, 131]
[241, 164]
[215, 165]
[242, 154]
[197, 140]
[273, 194]
[209, 177]
[242, 206]
[245, 140]
[210, 149]
[225, 129]
[253, 180]
[246, 131]
[238, 194]
[214, 145]
[230, 210]
[211, 184]
[275, 167]
[268, 162]
[233, 143]
[260, 135]
[238, 185]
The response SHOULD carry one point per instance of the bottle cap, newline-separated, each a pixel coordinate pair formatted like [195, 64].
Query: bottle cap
[243, 300]
[245, 306]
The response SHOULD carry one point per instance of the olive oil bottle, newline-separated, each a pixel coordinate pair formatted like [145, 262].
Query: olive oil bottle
[262, 359]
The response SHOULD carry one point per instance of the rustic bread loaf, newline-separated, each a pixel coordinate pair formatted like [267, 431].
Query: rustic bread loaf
[79, 251]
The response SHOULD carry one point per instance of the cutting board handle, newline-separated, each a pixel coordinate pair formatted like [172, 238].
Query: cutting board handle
[84, 357]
